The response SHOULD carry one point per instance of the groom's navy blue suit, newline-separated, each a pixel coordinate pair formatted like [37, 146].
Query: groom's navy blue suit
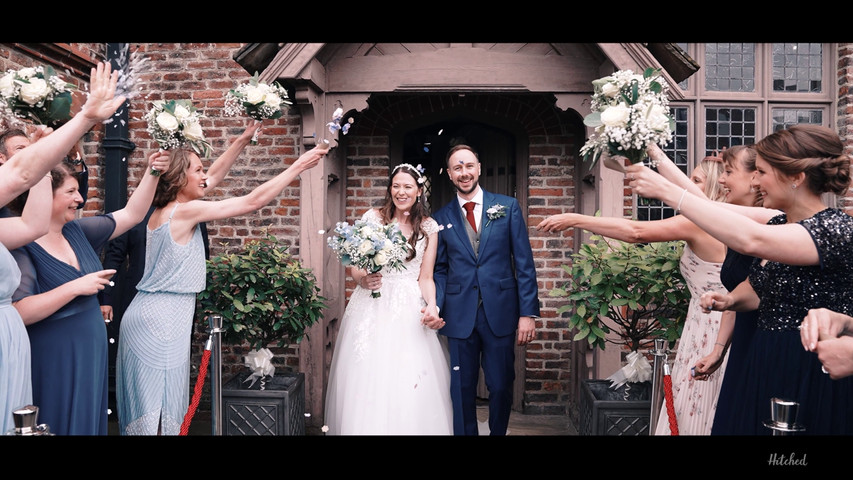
[481, 295]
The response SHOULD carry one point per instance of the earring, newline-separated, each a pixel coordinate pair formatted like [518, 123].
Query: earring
[793, 185]
[751, 189]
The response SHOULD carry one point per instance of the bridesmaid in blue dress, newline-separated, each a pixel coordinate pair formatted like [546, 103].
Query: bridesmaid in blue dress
[152, 368]
[15, 378]
[61, 274]
[25, 166]
[805, 263]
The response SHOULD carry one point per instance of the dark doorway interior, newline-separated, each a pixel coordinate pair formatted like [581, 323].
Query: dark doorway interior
[428, 146]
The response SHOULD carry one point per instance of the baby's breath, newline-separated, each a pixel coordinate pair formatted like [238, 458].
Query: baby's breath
[629, 112]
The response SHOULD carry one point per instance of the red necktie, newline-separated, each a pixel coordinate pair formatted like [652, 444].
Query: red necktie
[469, 213]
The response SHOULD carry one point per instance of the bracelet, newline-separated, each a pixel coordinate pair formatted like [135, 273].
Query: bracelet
[678, 208]
[720, 344]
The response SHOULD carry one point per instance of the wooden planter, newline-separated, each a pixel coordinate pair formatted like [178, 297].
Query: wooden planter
[605, 411]
[279, 409]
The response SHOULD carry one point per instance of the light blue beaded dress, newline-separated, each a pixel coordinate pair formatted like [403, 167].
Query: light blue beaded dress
[16, 389]
[153, 364]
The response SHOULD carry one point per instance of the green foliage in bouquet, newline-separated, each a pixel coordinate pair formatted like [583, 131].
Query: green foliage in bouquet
[263, 294]
[638, 287]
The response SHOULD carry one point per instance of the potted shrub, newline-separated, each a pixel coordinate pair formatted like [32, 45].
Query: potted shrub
[265, 297]
[636, 291]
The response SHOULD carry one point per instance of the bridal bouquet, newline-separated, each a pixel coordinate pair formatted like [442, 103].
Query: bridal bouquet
[370, 246]
[37, 94]
[629, 112]
[175, 123]
[256, 99]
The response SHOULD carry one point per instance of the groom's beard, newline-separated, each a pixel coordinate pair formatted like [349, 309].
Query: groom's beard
[466, 192]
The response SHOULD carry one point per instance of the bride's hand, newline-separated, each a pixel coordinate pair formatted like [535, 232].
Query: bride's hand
[371, 281]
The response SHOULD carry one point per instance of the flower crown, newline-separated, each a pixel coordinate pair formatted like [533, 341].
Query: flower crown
[419, 170]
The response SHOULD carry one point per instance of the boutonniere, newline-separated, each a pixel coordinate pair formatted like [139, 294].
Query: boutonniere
[494, 212]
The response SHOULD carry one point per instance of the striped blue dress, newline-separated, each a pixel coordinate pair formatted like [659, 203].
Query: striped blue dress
[153, 364]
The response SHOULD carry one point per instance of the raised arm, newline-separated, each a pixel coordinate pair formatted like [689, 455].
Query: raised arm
[624, 229]
[670, 171]
[27, 166]
[139, 203]
[202, 211]
[33, 222]
[222, 165]
[750, 235]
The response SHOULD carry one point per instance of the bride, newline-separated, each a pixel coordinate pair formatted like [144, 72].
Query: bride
[390, 374]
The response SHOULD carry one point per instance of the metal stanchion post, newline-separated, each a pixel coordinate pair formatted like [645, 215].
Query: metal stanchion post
[783, 417]
[660, 352]
[214, 345]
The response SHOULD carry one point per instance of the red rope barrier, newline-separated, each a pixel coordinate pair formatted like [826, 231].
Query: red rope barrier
[199, 386]
[670, 406]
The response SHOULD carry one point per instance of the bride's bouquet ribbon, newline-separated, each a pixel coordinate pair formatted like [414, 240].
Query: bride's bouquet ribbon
[260, 364]
[638, 369]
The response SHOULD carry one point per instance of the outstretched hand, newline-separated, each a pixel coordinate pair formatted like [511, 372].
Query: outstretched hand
[431, 318]
[556, 223]
[311, 158]
[102, 102]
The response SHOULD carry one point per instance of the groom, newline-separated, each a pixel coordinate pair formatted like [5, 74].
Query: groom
[486, 290]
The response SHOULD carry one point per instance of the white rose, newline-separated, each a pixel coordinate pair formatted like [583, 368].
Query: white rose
[657, 118]
[7, 85]
[365, 247]
[381, 258]
[192, 131]
[181, 113]
[616, 116]
[272, 100]
[609, 90]
[26, 72]
[254, 95]
[35, 91]
[167, 121]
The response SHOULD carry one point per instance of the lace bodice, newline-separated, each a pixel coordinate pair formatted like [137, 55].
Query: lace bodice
[413, 266]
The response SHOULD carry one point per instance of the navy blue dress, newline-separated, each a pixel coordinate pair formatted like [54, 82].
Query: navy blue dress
[69, 348]
[776, 365]
[735, 269]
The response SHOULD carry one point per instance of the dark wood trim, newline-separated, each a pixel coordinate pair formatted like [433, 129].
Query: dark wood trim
[61, 55]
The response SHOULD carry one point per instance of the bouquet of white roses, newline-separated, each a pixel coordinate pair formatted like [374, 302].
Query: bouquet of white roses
[256, 99]
[175, 123]
[370, 246]
[37, 94]
[629, 112]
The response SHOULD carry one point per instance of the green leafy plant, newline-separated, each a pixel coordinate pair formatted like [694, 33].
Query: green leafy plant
[638, 287]
[263, 294]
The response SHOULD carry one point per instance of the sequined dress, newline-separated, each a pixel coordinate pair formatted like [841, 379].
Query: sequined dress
[776, 364]
[16, 388]
[153, 364]
[695, 401]
[389, 374]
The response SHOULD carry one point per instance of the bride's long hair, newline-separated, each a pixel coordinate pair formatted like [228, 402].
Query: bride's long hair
[418, 211]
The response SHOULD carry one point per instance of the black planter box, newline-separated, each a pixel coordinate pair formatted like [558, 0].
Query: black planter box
[279, 409]
[605, 411]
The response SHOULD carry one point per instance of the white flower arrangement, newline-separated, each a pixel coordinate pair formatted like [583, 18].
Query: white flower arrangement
[494, 212]
[175, 123]
[370, 246]
[258, 100]
[629, 112]
[419, 169]
[36, 94]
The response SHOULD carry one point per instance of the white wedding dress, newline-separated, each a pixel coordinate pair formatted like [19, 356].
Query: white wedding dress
[389, 374]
